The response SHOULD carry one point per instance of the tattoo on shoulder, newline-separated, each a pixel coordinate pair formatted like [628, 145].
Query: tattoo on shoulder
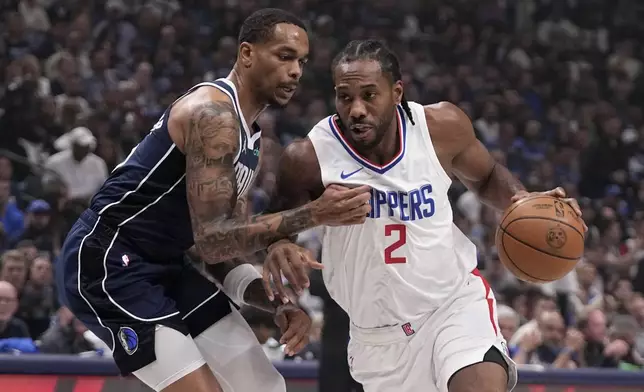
[212, 142]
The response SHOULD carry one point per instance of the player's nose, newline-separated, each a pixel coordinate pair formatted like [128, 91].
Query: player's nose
[358, 110]
[295, 70]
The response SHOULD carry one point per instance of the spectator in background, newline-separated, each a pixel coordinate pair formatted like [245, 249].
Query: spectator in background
[509, 321]
[82, 172]
[10, 326]
[38, 228]
[551, 345]
[13, 269]
[12, 219]
[596, 352]
[67, 335]
[38, 298]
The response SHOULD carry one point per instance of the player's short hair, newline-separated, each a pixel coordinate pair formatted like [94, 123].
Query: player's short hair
[376, 50]
[258, 27]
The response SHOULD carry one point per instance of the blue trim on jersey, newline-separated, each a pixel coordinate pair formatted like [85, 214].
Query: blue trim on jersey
[365, 162]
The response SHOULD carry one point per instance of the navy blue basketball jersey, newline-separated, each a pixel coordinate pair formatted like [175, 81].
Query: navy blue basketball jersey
[145, 195]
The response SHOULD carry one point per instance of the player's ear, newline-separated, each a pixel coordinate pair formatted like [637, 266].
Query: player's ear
[398, 92]
[245, 54]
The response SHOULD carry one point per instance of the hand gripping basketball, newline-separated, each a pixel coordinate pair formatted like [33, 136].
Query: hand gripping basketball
[559, 193]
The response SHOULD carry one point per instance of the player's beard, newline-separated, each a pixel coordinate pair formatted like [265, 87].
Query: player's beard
[381, 128]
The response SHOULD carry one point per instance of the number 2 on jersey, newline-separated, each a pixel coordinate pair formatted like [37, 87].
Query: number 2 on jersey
[402, 240]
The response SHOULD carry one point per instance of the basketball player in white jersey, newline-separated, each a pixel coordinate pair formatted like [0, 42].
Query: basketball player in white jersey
[422, 316]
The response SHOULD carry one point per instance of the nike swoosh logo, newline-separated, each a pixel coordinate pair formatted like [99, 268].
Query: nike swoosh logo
[345, 176]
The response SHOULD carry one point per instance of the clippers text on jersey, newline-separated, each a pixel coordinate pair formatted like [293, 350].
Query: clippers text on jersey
[413, 205]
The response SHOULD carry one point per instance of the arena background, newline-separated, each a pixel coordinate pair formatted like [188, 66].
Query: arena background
[555, 90]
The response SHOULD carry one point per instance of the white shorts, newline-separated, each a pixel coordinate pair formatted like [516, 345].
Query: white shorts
[230, 349]
[423, 356]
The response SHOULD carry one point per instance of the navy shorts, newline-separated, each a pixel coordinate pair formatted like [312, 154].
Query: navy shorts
[122, 296]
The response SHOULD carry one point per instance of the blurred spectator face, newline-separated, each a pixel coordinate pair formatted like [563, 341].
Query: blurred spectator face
[143, 75]
[74, 86]
[8, 301]
[552, 328]
[28, 249]
[612, 128]
[637, 309]
[490, 112]
[15, 24]
[586, 274]
[624, 290]
[80, 151]
[40, 272]
[74, 42]
[366, 101]
[275, 66]
[532, 129]
[31, 68]
[508, 322]
[6, 171]
[5, 192]
[543, 305]
[14, 268]
[150, 19]
[100, 61]
[596, 328]
[66, 66]
[39, 220]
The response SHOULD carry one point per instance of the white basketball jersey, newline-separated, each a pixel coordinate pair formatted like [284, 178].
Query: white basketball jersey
[408, 257]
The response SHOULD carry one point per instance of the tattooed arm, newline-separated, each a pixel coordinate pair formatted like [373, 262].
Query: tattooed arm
[211, 142]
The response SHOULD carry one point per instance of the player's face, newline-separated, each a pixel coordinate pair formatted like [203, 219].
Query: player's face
[365, 100]
[276, 65]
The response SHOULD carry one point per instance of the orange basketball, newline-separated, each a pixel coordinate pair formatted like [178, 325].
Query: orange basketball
[540, 239]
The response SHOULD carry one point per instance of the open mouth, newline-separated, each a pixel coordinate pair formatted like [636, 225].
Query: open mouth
[288, 89]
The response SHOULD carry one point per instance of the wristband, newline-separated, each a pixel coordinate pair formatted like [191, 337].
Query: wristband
[237, 280]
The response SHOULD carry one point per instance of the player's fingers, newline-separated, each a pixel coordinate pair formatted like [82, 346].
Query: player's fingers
[290, 332]
[298, 265]
[351, 193]
[309, 261]
[357, 201]
[266, 280]
[557, 192]
[277, 283]
[574, 204]
[297, 344]
[286, 263]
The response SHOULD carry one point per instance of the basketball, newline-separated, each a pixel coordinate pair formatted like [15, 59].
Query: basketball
[540, 239]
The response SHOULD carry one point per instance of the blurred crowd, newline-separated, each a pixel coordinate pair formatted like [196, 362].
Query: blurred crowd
[555, 90]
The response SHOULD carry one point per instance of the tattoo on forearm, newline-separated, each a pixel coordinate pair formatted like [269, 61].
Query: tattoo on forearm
[211, 145]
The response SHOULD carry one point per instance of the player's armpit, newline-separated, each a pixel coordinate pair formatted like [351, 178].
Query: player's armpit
[472, 163]
[211, 144]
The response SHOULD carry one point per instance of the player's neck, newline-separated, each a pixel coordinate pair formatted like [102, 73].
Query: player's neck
[250, 107]
[388, 147]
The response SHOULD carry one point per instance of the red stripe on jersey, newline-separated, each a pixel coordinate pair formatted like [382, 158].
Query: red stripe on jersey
[490, 300]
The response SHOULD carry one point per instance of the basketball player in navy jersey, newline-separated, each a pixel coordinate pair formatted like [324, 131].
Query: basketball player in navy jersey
[422, 317]
[122, 270]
